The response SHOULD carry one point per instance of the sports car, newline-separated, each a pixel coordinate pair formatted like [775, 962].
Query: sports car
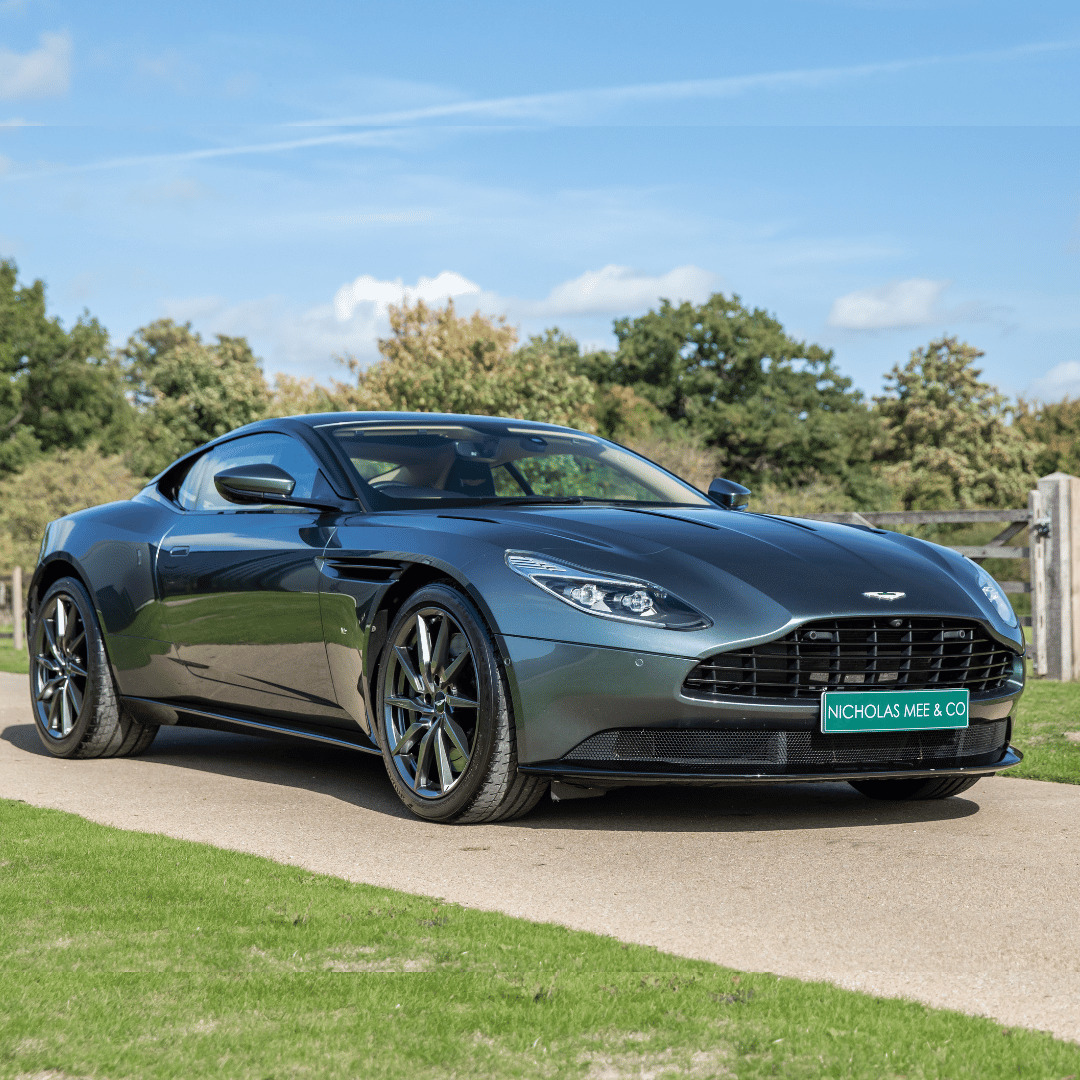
[503, 608]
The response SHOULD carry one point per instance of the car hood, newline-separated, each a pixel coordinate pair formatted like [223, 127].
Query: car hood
[753, 573]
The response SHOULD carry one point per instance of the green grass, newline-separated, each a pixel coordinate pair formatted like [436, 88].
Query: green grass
[1048, 714]
[12, 659]
[128, 955]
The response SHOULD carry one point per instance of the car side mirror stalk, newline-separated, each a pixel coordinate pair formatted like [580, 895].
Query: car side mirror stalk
[263, 483]
[728, 494]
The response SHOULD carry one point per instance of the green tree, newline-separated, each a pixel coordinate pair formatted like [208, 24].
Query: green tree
[1054, 431]
[188, 391]
[58, 388]
[946, 440]
[438, 361]
[732, 376]
[51, 486]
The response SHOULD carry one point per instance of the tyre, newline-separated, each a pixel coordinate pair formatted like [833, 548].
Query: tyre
[913, 790]
[77, 711]
[443, 715]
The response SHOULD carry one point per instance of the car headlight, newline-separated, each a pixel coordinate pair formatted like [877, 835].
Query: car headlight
[625, 599]
[992, 591]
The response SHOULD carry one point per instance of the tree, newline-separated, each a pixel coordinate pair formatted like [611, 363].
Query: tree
[770, 404]
[946, 440]
[51, 486]
[58, 388]
[188, 392]
[438, 361]
[1054, 431]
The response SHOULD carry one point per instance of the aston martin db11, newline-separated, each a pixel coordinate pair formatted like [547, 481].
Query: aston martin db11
[500, 608]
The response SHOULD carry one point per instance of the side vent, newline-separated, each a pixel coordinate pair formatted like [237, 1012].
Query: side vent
[356, 568]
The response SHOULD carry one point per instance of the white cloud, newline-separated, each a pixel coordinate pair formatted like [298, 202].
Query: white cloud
[42, 72]
[1061, 381]
[619, 290]
[368, 291]
[303, 342]
[915, 302]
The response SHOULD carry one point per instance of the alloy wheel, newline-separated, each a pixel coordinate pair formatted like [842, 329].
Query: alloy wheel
[431, 702]
[60, 668]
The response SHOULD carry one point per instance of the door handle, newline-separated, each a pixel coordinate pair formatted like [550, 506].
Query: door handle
[179, 551]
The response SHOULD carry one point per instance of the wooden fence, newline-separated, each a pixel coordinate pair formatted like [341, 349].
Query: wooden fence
[11, 604]
[1049, 531]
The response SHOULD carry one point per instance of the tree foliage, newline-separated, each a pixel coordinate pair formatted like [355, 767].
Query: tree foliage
[438, 361]
[1054, 432]
[58, 388]
[946, 440]
[51, 486]
[188, 391]
[769, 403]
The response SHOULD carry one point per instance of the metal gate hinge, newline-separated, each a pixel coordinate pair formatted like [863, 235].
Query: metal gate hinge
[1041, 527]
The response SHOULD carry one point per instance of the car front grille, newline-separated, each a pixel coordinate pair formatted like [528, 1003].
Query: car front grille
[698, 750]
[858, 654]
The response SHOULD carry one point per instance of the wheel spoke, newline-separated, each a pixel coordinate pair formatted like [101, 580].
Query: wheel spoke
[76, 668]
[407, 667]
[454, 665]
[65, 713]
[75, 642]
[423, 648]
[420, 776]
[48, 688]
[446, 774]
[410, 704]
[50, 640]
[456, 736]
[42, 660]
[54, 712]
[456, 701]
[411, 735]
[438, 656]
[75, 697]
[61, 621]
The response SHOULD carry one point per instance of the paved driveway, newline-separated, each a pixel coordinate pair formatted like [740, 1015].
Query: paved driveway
[972, 903]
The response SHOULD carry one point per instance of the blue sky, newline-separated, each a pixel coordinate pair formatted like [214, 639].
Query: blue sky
[873, 172]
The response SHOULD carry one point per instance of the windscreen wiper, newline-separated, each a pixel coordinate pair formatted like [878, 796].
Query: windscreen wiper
[533, 500]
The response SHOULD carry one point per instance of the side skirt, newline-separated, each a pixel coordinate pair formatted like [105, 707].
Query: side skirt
[158, 712]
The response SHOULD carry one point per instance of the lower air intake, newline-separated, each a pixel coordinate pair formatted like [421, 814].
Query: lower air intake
[786, 751]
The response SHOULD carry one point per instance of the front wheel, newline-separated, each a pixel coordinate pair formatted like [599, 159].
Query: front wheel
[76, 707]
[914, 790]
[443, 715]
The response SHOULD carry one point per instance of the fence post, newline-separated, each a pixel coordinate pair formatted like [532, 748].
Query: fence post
[1037, 543]
[17, 606]
[1061, 502]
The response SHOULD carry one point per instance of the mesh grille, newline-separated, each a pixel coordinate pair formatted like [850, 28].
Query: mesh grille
[838, 654]
[780, 751]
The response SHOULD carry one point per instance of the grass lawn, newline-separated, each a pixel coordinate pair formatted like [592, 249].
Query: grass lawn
[128, 955]
[1047, 730]
[12, 659]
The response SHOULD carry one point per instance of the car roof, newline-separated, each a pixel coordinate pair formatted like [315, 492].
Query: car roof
[330, 419]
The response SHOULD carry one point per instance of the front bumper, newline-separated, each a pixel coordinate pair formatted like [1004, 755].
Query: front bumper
[568, 697]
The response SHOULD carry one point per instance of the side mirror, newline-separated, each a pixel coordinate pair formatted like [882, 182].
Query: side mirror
[728, 494]
[260, 484]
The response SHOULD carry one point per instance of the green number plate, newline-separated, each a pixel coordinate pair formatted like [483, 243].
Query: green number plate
[898, 710]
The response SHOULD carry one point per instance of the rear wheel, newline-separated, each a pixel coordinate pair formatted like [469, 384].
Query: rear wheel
[443, 715]
[914, 790]
[76, 708]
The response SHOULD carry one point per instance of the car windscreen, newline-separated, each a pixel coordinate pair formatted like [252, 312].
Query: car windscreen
[411, 465]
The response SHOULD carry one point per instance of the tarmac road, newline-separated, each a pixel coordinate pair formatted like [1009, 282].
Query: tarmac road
[972, 903]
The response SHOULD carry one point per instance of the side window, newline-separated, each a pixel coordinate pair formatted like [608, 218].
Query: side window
[188, 491]
[281, 450]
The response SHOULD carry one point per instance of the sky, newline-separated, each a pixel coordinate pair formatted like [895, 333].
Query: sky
[874, 173]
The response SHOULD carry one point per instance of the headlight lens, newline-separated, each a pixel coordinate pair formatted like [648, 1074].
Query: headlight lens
[992, 591]
[624, 599]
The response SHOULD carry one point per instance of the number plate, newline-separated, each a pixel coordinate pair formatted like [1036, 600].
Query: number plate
[898, 710]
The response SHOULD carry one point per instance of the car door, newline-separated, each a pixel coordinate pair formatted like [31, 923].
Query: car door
[240, 589]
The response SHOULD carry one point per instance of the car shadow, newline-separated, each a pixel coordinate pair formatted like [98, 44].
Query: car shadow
[360, 780]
